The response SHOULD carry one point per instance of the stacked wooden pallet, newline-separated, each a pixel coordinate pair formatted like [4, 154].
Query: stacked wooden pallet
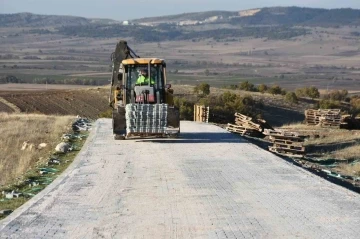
[330, 118]
[324, 118]
[201, 113]
[312, 117]
[241, 130]
[286, 143]
[246, 125]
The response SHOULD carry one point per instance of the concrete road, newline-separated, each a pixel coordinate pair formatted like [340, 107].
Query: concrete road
[207, 184]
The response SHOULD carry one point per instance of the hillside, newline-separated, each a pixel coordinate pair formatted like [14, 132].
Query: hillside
[263, 16]
[252, 17]
[35, 20]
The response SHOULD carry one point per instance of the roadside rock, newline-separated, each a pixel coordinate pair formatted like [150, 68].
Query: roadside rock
[41, 146]
[11, 195]
[27, 146]
[62, 148]
[24, 145]
[81, 125]
[54, 161]
[6, 212]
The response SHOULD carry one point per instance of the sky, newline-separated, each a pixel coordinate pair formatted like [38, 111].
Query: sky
[133, 9]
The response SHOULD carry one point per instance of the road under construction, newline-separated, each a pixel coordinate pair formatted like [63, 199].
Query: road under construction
[208, 183]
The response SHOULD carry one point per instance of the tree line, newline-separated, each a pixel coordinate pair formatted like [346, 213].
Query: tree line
[170, 32]
[225, 105]
[49, 80]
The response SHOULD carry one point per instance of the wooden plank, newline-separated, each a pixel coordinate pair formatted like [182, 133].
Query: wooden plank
[236, 130]
[249, 125]
[237, 127]
[243, 117]
[289, 147]
[282, 133]
[272, 132]
[201, 113]
[289, 150]
[330, 120]
[280, 152]
[288, 140]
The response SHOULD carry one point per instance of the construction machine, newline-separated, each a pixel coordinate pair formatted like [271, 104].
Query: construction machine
[142, 106]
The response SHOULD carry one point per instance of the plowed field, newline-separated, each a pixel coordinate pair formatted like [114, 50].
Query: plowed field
[5, 108]
[83, 102]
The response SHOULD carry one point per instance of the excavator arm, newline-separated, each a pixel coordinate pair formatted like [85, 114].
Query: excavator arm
[122, 52]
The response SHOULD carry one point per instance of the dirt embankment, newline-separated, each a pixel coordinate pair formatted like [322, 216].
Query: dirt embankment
[84, 102]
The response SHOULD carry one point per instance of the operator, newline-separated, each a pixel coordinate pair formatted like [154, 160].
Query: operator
[144, 78]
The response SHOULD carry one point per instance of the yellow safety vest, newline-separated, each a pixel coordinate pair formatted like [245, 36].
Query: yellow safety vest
[143, 80]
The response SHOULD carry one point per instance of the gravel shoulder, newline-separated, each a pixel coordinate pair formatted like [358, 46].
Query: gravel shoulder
[206, 184]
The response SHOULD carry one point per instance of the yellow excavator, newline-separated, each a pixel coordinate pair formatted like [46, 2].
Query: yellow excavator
[143, 106]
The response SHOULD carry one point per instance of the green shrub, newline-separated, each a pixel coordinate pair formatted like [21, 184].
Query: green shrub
[262, 88]
[228, 103]
[329, 104]
[291, 98]
[337, 95]
[247, 86]
[355, 105]
[311, 92]
[204, 88]
[275, 90]
[221, 106]
[186, 108]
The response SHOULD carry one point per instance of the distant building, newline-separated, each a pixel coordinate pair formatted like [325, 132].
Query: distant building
[126, 23]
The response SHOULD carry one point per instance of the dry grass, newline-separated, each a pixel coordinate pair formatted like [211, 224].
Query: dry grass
[335, 137]
[350, 169]
[325, 135]
[15, 129]
[339, 144]
[298, 126]
[352, 152]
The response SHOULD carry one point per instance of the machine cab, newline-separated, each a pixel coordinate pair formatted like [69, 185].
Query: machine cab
[144, 81]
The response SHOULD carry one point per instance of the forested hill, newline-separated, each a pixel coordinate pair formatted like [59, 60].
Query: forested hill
[271, 23]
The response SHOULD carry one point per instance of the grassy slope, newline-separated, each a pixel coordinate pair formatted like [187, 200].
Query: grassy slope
[332, 144]
[36, 129]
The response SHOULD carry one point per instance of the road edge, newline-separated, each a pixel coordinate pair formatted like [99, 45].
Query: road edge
[54, 184]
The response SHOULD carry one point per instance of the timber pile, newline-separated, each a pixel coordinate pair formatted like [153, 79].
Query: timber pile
[323, 118]
[286, 143]
[246, 125]
[201, 113]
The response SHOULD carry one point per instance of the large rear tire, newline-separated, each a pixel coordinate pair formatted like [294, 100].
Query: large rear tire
[119, 137]
[119, 125]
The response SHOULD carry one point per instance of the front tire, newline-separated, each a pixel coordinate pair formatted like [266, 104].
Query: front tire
[119, 137]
